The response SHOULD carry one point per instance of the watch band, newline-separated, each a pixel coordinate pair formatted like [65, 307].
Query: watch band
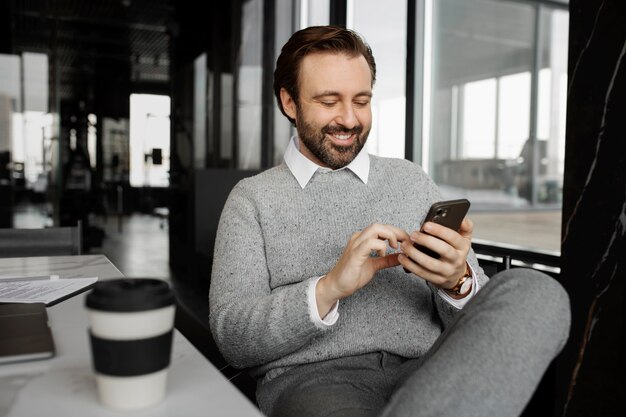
[457, 289]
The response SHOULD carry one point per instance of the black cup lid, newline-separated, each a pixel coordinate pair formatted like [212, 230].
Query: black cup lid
[130, 294]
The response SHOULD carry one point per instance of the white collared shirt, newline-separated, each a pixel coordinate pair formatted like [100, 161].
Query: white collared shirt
[303, 170]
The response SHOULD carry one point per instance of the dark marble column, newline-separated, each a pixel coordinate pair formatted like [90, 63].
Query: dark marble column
[591, 371]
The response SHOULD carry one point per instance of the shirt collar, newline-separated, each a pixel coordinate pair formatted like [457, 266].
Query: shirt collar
[303, 168]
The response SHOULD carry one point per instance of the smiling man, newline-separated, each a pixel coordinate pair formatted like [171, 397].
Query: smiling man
[310, 290]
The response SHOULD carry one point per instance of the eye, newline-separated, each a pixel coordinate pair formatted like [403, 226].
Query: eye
[362, 103]
[328, 103]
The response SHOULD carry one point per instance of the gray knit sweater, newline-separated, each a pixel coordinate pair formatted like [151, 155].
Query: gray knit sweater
[274, 236]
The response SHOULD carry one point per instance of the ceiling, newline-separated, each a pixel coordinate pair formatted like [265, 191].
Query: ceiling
[96, 46]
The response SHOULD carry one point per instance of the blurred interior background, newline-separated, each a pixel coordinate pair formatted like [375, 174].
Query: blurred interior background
[113, 108]
[136, 118]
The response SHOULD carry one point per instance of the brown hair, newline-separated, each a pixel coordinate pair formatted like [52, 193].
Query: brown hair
[331, 39]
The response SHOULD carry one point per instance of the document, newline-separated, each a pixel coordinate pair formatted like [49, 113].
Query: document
[42, 289]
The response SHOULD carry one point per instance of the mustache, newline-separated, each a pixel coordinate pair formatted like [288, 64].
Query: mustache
[342, 130]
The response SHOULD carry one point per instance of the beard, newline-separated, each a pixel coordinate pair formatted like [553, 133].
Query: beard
[332, 155]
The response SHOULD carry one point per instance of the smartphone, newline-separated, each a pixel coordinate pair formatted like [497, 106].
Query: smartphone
[448, 213]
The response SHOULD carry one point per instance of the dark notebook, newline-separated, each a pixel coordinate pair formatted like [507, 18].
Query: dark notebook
[24, 332]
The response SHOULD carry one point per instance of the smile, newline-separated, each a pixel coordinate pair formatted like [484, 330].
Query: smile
[343, 137]
[342, 140]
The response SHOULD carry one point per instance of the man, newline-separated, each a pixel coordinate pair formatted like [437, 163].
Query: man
[318, 290]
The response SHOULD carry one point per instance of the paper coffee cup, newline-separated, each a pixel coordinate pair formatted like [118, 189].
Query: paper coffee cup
[130, 326]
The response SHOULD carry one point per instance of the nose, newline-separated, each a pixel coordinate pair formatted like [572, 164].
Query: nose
[346, 116]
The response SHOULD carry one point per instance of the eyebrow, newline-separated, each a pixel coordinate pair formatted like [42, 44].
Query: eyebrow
[336, 93]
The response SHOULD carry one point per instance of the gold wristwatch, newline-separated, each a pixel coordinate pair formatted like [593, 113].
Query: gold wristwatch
[464, 285]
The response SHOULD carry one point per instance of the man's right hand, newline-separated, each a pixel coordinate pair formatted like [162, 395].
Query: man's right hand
[356, 267]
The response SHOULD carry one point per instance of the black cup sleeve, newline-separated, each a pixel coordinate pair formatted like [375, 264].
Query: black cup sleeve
[131, 357]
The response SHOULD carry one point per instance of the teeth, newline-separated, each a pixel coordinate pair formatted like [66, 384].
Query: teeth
[343, 137]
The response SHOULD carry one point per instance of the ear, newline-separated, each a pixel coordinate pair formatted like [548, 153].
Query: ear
[289, 105]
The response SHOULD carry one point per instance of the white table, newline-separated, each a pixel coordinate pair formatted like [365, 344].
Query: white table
[65, 384]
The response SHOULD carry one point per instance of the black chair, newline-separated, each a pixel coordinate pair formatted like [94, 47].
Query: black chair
[49, 241]
[212, 189]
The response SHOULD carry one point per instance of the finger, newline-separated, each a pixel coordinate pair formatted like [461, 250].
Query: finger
[384, 262]
[444, 271]
[379, 246]
[354, 236]
[445, 235]
[418, 269]
[399, 235]
[449, 261]
[387, 232]
[426, 243]
[419, 256]
[467, 228]
[407, 263]
[439, 231]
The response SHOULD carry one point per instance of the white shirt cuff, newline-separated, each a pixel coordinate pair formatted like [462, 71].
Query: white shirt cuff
[461, 302]
[330, 318]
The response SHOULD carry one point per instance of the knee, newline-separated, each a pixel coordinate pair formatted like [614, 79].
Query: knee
[539, 297]
[534, 288]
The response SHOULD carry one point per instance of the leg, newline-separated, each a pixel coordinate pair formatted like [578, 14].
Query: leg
[336, 399]
[348, 387]
[491, 359]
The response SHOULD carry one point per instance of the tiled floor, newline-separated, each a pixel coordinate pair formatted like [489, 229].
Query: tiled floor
[139, 248]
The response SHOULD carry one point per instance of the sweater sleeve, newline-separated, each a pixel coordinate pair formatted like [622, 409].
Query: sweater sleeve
[251, 322]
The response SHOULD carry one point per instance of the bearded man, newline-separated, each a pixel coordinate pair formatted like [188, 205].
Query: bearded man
[318, 290]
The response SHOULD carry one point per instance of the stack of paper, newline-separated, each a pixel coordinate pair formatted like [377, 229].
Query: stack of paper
[41, 289]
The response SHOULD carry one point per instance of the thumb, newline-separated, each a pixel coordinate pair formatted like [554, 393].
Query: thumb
[384, 262]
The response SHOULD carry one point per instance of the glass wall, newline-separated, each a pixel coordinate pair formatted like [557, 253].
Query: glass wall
[287, 20]
[484, 81]
[383, 25]
[497, 102]
[552, 104]
[249, 85]
[312, 12]
[26, 127]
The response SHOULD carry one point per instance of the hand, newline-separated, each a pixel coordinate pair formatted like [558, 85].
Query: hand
[356, 267]
[451, 245]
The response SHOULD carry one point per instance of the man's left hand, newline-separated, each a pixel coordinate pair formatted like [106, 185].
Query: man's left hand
[452, 247]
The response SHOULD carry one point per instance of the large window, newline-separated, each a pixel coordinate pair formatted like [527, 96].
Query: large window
[149, 140]
[25, 124]
[497, 102]
[383, 25]
[472, 90]
[312, 12]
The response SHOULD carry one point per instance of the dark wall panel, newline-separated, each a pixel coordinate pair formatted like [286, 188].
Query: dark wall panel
[591, 367]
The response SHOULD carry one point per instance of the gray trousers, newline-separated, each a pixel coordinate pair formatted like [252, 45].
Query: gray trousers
[488, 362]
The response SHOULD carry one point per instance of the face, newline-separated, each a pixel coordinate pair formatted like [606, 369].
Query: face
[333, 114]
